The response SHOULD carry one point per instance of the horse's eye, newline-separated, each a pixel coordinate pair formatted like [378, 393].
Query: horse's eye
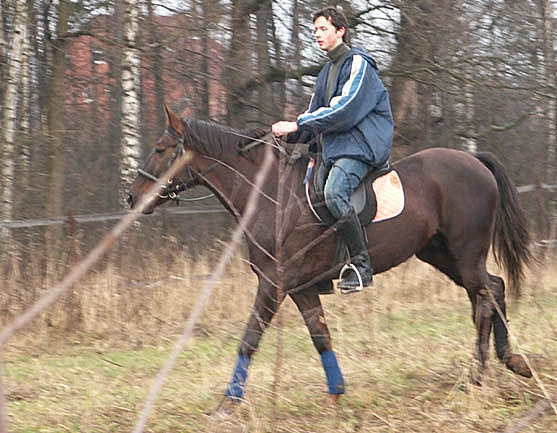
[159, 149]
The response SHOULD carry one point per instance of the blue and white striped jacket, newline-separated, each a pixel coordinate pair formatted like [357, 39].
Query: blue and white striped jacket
[357, 121]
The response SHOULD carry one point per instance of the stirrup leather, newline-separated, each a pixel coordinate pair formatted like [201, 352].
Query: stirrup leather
[350, 266]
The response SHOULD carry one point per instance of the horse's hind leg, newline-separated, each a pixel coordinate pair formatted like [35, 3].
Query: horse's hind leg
[310, 307]
[482, 288]
[468, 271]
[489, 310]
[513, 362]
[482, 315]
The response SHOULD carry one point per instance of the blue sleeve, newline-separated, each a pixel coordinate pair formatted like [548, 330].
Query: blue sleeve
[359, 96]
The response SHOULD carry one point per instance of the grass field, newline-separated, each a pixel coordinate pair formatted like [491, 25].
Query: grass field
[405, 348]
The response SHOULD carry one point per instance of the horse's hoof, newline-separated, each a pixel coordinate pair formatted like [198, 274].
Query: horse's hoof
[476, 373]
[518, 365]
[332, 400]
[224, 409]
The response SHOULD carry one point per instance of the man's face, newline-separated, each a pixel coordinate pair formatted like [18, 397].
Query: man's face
[327, 36]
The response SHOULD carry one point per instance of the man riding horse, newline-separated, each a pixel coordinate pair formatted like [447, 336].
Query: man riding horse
[350, 111]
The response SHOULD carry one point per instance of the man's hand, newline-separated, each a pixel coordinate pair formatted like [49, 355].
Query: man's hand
[283, 127]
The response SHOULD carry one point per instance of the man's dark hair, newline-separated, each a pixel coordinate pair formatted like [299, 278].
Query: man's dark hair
[337, 19]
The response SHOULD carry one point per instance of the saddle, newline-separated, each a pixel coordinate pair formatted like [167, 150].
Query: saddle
[380, 190]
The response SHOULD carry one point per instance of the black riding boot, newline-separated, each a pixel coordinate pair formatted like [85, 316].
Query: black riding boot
[358, 274]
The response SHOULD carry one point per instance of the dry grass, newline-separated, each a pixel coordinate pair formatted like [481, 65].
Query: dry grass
[405, 348]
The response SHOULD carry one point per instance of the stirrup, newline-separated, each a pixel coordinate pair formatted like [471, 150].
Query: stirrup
[360, 287]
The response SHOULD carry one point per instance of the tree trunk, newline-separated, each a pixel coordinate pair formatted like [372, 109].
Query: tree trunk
[412, 95]
[296, 59]
[277, 113]
[10, 103]
[238, 66]
[25, 107]
[130, 146]
[55, 125]
[469, 142]
[204, 15]
[3, 43]
[114, 136]
[158, 67]
[550, 84]
[264, 91]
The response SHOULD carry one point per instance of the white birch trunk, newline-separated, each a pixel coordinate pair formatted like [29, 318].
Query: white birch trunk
[130, 146]
[551, 82]
[2, 36]
[13, 79]
[25, 107]
[470, 142]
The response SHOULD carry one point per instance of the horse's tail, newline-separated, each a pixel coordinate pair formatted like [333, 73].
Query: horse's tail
[511, 238]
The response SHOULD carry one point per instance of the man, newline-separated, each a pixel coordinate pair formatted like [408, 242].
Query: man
[351, 112]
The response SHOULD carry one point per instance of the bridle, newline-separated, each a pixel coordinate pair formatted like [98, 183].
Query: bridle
[172, 189]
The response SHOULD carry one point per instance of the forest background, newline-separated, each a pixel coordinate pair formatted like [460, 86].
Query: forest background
[83, 85]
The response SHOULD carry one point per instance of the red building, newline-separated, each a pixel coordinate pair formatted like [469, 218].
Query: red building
[93, 77]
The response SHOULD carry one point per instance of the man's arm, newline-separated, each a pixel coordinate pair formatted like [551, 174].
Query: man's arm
[360, 94]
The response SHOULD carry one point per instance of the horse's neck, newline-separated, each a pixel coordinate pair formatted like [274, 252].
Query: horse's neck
[233, 179]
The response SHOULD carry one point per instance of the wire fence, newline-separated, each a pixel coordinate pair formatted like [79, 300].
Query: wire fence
[114, 216]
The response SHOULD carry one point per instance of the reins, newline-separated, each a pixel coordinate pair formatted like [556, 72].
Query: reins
[171, 190]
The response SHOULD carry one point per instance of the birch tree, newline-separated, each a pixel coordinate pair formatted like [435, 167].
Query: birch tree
[550, 75]
[2, 39]
[130, 146]
[14, 68]
[25, 106]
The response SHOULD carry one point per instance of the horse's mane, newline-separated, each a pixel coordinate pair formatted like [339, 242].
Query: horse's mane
[213, 139]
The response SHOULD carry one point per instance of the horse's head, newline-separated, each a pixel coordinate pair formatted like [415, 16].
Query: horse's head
[168, 149]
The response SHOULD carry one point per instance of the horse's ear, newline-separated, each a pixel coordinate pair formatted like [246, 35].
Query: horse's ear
[173, 120]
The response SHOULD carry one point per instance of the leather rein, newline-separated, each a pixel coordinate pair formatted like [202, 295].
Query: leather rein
[172, 189]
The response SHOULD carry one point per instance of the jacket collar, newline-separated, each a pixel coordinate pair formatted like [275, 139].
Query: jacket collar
[338, 53]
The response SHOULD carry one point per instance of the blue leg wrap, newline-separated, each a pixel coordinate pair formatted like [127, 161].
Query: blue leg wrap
[235, 388]
[333, 373]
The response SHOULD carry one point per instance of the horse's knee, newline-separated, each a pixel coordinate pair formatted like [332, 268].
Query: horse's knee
[252, 337]
[249, 343]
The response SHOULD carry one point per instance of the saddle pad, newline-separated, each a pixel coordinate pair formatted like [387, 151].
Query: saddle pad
[389, 195]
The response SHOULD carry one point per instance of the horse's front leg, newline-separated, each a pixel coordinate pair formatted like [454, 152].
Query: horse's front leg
[309, 304]
[265, 306]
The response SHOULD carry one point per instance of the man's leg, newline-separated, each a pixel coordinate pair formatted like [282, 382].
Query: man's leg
[344, 177]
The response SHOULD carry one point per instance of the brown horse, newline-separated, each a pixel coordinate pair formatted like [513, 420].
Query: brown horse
[457, 206]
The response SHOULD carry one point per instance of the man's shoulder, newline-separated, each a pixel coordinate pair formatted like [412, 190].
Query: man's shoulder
[357, 51]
